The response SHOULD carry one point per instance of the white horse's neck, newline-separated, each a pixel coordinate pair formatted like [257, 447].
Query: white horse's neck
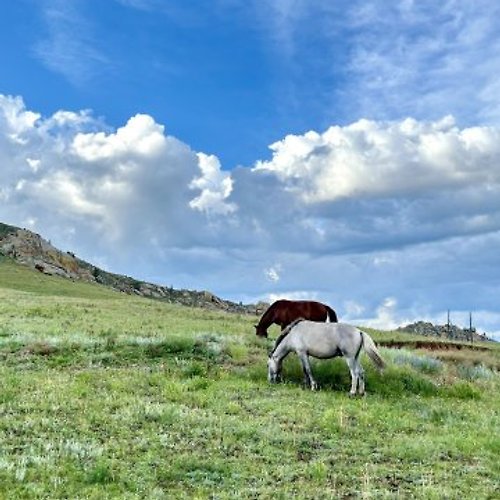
[281, 351]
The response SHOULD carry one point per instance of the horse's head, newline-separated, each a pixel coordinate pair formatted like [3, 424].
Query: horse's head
[273, 370]
[260, 331]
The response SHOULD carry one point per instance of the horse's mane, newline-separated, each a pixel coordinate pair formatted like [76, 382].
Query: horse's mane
[284, 333]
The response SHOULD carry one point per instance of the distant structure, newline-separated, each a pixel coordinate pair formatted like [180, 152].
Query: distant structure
[471, 330]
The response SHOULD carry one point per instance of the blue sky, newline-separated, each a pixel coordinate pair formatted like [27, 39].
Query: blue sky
[208, 69]
[346, 151]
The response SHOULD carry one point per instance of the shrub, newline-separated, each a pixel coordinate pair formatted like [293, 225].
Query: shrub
[421, 363]
[396, 381]
[173, 345]
[462, 390]
[475, 372]
[210, 345]
[100, 473]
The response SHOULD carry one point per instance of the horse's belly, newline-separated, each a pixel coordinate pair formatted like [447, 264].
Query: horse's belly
[325, 353]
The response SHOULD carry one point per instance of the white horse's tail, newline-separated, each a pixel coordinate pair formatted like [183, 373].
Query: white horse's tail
[372, 351]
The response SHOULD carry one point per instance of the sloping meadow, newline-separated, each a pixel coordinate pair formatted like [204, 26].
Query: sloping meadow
[103, 395]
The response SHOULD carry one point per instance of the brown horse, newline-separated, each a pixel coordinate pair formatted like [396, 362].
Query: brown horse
[283, 312]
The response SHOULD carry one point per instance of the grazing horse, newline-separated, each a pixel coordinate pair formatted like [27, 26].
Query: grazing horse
[324, 341]
[283, 312]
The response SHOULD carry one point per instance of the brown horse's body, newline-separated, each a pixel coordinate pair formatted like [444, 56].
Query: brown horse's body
[283, 312]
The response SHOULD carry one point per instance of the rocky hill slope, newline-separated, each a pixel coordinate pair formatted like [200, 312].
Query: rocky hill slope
[451, 331]
[30, 249]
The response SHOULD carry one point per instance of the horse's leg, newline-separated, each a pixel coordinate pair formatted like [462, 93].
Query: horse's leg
[357, 376]
[306, 366]
[279, 377]
[361, 379]
[352, 364]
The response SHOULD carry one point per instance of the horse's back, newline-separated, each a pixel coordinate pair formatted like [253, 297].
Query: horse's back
[289, 310]
[329, 329]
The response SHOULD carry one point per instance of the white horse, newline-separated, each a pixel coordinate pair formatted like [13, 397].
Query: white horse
[324, 341]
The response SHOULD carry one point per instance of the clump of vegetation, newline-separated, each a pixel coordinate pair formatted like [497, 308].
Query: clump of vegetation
[211, 345]
[420, 362]
[476, 372]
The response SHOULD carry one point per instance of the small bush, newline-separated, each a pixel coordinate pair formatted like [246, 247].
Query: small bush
[475, 372]
[100, 473]
[421, 363]
[401, 381]
[238, 352]
[163, 414]
[210, 345]
[194, 369]
[174, 345]
[41, 349]
[462, 390]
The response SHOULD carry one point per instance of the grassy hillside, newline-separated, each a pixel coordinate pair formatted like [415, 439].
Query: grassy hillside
[103, 395]
[31, 250]
[17, 277]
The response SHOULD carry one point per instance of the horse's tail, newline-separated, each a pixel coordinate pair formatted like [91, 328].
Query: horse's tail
[331, 316]
[372, 351]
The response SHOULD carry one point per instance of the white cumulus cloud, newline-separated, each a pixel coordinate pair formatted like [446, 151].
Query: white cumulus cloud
[215, 186]
[383, 159]
[140, 136]
[407, 209]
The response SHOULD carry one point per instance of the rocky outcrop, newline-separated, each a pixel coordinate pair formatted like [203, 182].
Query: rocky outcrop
[30, 249]
[443, 331]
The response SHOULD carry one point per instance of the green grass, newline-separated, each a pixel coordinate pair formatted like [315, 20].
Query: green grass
[104, 395]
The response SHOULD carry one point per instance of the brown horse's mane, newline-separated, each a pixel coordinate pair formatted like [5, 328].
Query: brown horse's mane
[284, 333]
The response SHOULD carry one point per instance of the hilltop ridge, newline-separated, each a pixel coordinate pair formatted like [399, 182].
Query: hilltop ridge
[450, 332]
[30, 249]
